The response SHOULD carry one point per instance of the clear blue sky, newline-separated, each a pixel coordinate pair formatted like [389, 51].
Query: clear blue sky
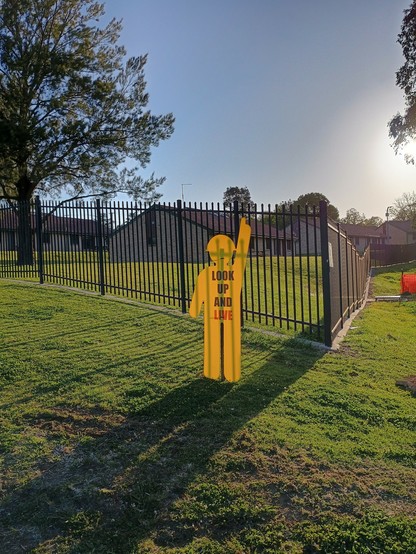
[282, 96]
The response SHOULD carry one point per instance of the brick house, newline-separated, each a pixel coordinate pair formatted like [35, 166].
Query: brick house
[364, 235]
[59, 234]
[153, 235]
[399, 232]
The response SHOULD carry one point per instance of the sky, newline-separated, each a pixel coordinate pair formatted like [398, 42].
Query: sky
[284, 97]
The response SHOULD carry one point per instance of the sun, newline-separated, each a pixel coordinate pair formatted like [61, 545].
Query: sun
[389, 167]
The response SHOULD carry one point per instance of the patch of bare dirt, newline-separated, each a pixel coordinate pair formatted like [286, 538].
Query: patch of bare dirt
[408, 383]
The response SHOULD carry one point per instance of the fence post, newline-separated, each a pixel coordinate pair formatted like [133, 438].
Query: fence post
[181, 253]
[326, 283]
[100, 247]
[39, 237]
[236, 231]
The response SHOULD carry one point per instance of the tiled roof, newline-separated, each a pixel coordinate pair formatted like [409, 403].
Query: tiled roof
[53, 223]
[406, 226]
[362, 230]
[215, 221]
[222, 223]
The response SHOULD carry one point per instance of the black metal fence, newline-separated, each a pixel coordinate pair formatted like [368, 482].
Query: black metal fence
[390, 254]
[302, 273]
[345, 277]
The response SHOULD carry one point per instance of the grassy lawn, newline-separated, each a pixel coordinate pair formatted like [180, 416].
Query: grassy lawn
[112, 442]
[288, 288]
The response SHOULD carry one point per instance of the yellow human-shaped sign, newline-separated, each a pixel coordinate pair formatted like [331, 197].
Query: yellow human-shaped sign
[218, 287]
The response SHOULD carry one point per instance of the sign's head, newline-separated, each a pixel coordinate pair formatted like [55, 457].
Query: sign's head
[221, 247]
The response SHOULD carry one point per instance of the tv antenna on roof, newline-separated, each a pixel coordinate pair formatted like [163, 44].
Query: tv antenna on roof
[185, 185]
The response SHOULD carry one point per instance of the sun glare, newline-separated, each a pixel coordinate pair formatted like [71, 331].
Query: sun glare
[388, 165]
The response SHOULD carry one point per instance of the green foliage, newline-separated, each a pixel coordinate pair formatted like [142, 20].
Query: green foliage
[402, 128]
[404, 207]
[237, 194]
[373, 533]
[308, 202]
[313, 199]
[72, 109]
[354, 217]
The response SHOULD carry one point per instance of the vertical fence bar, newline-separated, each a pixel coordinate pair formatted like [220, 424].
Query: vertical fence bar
[162, 250]
[271, 247]
[158, 249]
[278, 254]
[285, 268]
[186, 221]
[316, 265]
[75, 253]
[264, 239]
[323, 219]
[193, 228]
[100, 247]
[139, 235]
[181, 253]
[39, 244]
[87, 268]
[300, 261]
[150, 228]
[347, 277]
[176, 266]
[308, 270]
[124, 269]
[292, 258]
[130, 255]
[173, 249]
[258, 281]
[340, 272]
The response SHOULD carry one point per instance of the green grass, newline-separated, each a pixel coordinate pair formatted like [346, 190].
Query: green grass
[291, 289]
[388, 278]
[112, 442]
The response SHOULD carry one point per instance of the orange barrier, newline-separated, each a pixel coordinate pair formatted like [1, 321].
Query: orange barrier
[408, 284]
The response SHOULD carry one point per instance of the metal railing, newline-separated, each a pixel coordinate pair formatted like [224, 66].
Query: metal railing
[302, 273]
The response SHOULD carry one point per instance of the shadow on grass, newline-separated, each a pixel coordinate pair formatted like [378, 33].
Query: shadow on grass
[114, 490]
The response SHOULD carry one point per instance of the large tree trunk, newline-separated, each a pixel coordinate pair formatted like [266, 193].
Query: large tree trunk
[24, 234]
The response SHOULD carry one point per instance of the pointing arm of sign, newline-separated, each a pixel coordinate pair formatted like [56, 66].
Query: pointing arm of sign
[242, 245]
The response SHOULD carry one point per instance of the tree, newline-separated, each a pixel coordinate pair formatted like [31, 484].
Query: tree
[402, 128]
[240, 194]
[354, 217]
[308, 203]
[404, 208]
[374, 220]
[312, 199]
[72, 110]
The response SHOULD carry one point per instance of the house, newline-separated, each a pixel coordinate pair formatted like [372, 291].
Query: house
[388, 233]
[392, 242]
[363, 236]
[153, 234]
[70, 234]
[399, 232]
[58, 233]
[305, 231]
[308, 235]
